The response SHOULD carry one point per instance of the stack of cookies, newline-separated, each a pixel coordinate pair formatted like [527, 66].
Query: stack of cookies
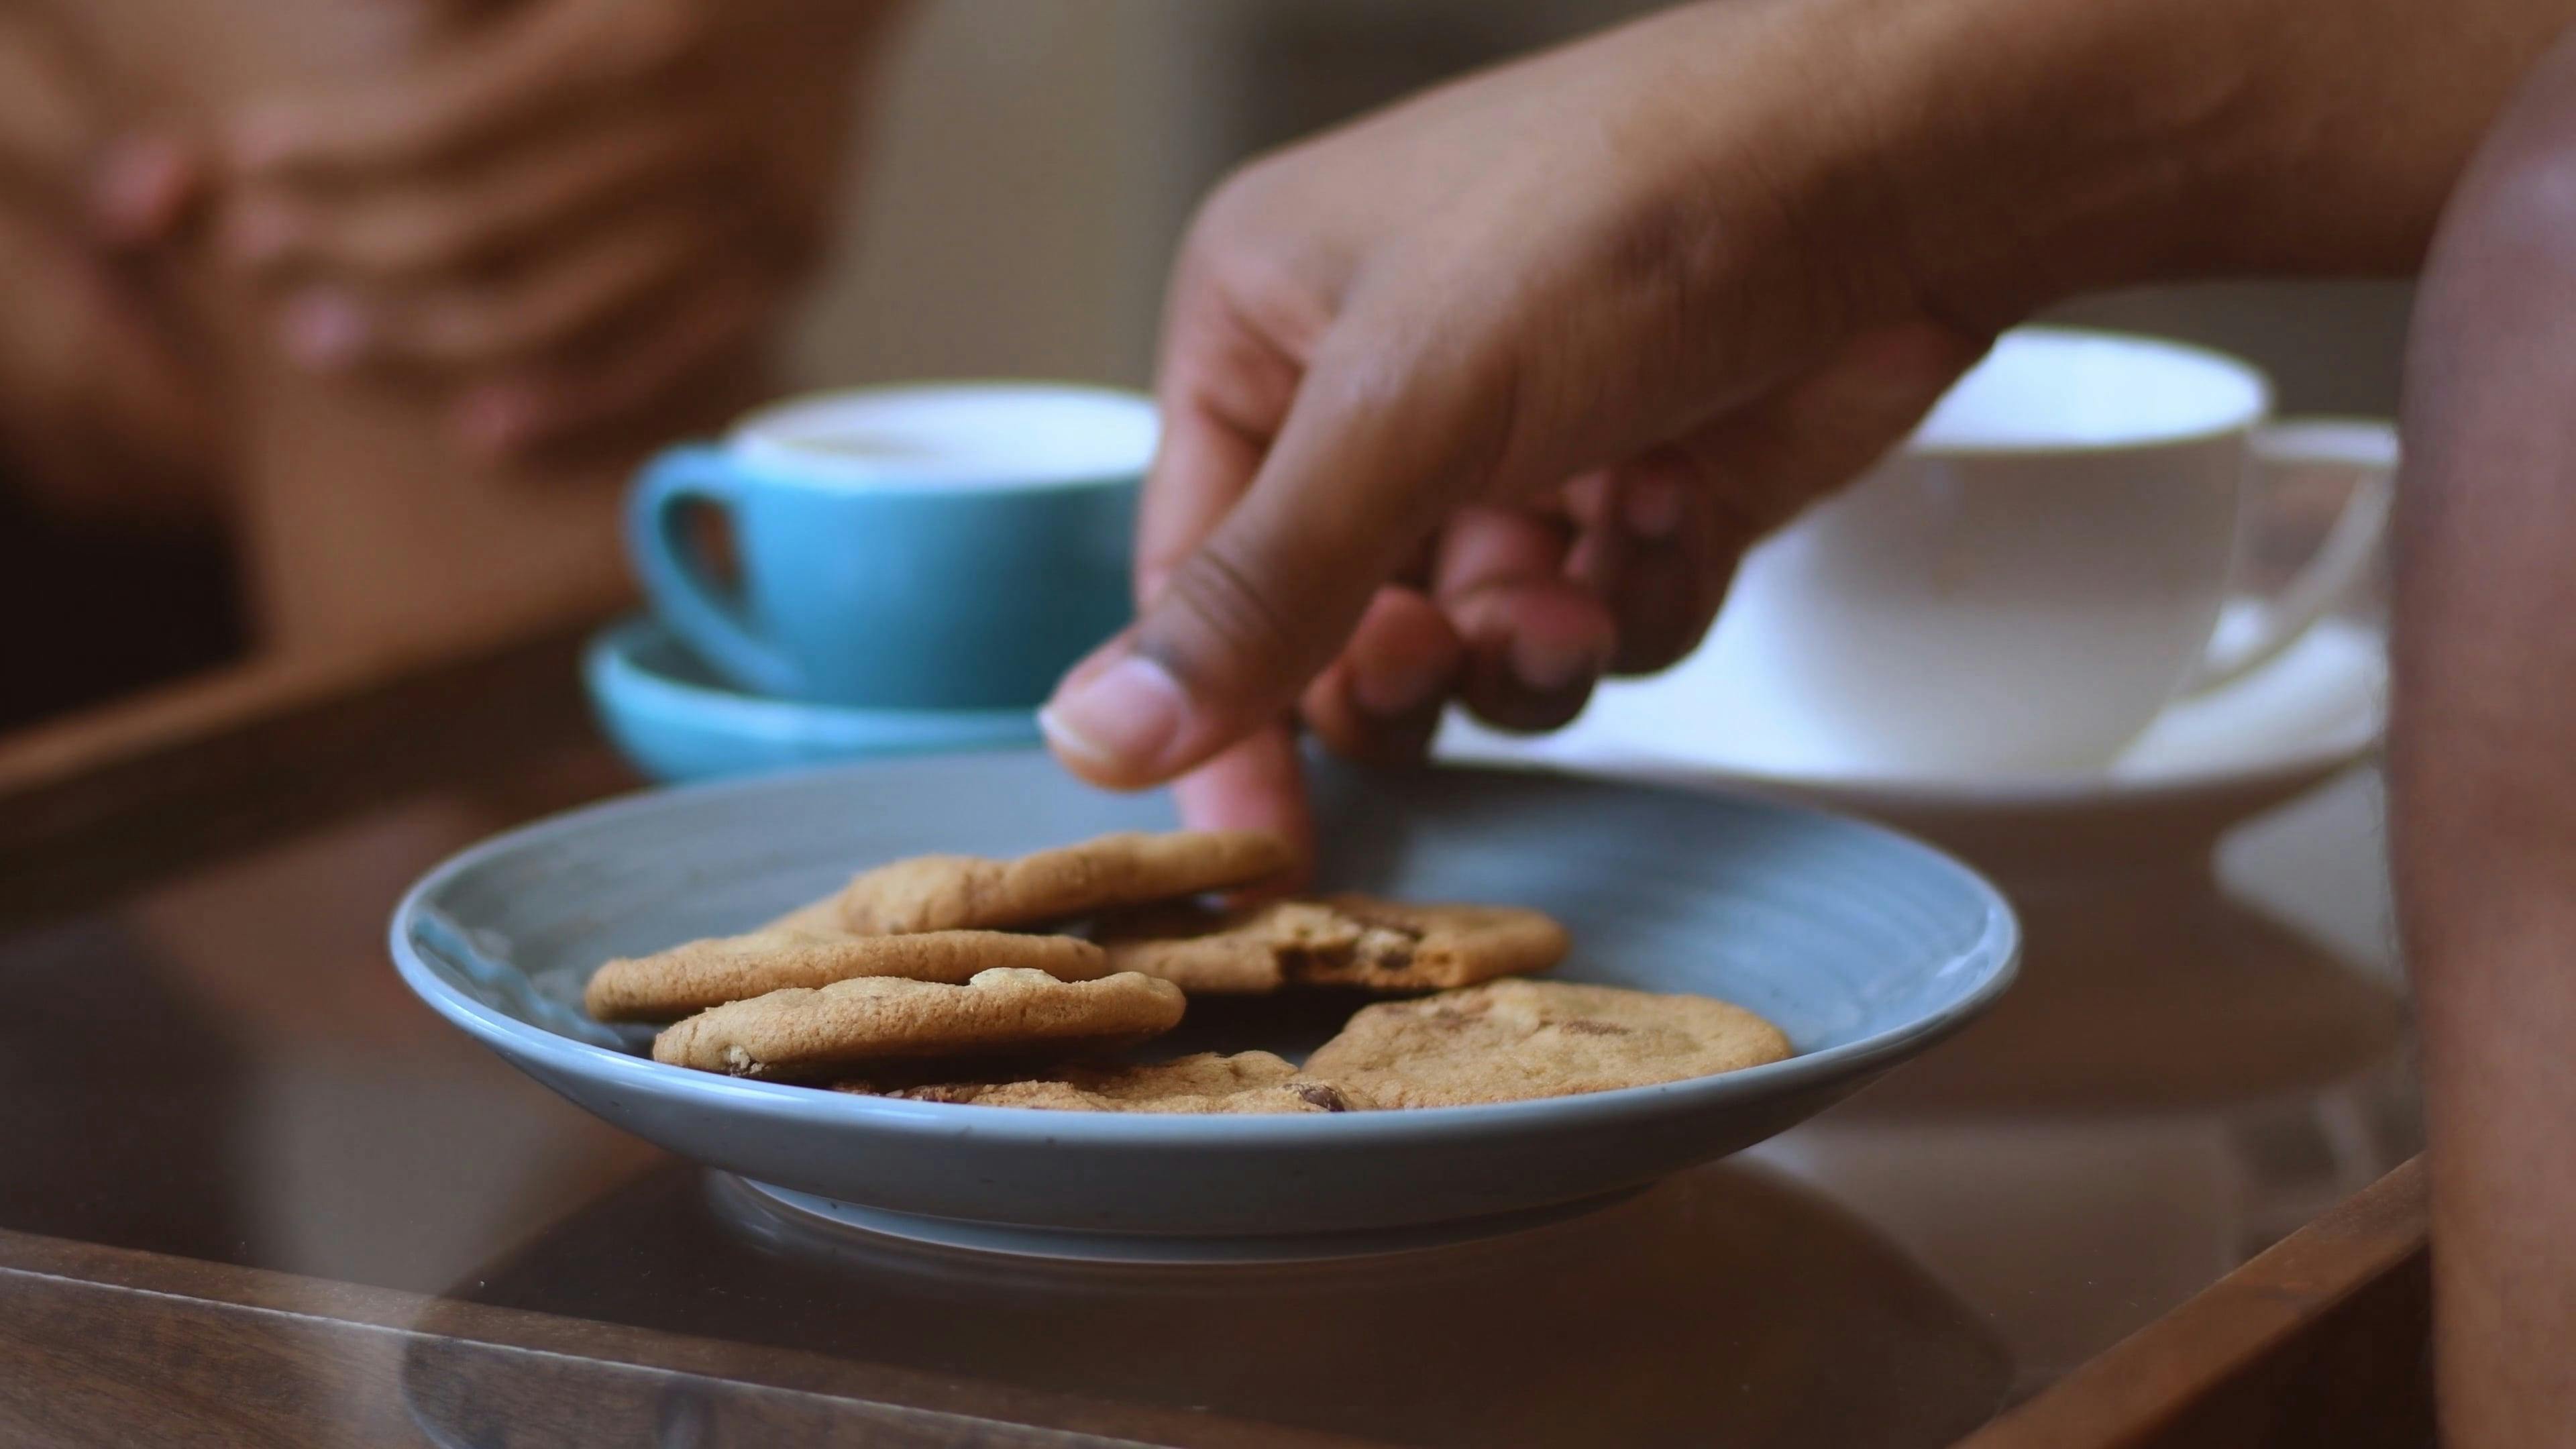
[1015, 982]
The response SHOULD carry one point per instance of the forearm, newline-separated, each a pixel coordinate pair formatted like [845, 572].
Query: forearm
[2482, 772]
[2021, 151]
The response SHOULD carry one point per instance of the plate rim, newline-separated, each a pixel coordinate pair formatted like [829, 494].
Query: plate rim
[1999, 938]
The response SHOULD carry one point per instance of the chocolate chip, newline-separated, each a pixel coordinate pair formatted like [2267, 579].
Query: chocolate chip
[1317, 1094]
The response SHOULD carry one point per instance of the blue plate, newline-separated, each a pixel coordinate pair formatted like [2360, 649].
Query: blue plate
[1864, 946]
[675, 720]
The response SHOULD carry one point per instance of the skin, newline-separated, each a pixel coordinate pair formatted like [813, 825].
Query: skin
[2483, 789]
[444, 270]
[564, 215]
[101, 416]
[1483, 396]
[557, 211]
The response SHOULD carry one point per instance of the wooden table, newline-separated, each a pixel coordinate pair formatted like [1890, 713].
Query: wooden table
[253, 1193]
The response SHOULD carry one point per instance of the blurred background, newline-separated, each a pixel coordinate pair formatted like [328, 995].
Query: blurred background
[1015, 192]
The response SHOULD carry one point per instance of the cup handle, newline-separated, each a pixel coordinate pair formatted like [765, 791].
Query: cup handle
[2367, 448]
[676, 577]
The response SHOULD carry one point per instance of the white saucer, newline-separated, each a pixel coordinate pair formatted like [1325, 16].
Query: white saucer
[2307, 716]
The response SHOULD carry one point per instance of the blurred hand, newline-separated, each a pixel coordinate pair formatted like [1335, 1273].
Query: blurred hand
[566, 214]
[100, 411]
[1485, 395]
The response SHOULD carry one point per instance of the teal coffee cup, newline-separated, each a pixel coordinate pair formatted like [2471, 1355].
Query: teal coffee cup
[939, 546]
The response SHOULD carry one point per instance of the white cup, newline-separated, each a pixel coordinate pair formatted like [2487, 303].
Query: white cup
[2039, 571]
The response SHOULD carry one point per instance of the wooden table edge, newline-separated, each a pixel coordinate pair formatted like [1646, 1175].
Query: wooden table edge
[2322, 1339]
[169, 1331]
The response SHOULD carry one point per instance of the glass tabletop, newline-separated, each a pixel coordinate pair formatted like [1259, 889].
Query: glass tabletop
[2205, 1050]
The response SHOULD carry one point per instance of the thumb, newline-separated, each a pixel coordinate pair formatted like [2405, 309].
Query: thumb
[1360, 471]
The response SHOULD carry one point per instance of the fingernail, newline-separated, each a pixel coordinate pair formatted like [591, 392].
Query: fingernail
[1399, 689]
[1651, 508]
[259, 231]
[1546, 666]
[324, 330]
[1124, 718]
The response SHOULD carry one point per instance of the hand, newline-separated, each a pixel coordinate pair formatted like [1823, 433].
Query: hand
[1484, 396]
[567, 214]
[101, 413]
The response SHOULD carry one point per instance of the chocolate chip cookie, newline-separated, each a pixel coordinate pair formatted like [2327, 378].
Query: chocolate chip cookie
[1510, 1041]
[692, 977]
[1341, 940]
[1112, 872]
[830, 1032]
[1214, 1082]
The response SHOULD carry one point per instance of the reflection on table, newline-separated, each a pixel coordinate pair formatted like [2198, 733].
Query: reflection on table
[1723, 1306]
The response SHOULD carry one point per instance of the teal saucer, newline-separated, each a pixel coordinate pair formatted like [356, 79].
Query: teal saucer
[673, 719]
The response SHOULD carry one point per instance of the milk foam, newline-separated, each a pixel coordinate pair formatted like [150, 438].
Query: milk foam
[975, 435]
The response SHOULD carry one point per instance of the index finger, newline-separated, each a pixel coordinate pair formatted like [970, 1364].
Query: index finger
[1259, 784]
[1378, 442]
[1224, 391]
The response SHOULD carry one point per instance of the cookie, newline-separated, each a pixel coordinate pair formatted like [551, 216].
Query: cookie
[826, 1032]
[1509, 1041]
[1342, 940]
[1208, 1082]
[814, 918]
[1113, 872]
[671, 984]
